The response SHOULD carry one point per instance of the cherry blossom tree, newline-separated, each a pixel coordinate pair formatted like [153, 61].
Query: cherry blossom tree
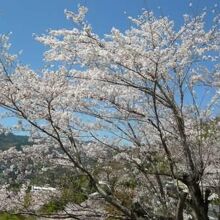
[134, 111]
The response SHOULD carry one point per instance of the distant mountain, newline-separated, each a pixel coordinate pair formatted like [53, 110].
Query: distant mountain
[12, 140]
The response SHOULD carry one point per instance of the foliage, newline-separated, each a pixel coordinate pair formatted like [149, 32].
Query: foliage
[75, 189]
[6, 216]
[52, 206]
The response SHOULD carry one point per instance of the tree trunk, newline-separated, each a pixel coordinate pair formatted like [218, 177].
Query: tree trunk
[198, 204]
[180, 206]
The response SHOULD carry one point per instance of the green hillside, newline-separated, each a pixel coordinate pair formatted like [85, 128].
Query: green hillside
[11, 140]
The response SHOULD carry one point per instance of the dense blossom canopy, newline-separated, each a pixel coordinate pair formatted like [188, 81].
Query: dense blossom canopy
[134, 111]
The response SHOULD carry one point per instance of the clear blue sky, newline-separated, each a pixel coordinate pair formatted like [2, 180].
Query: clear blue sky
[25, 17]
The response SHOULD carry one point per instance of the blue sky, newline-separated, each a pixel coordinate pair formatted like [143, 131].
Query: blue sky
[25, 17]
